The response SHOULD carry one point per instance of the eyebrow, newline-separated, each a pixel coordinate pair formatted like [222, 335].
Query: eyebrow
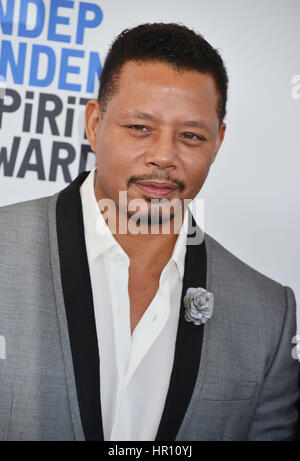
[141, 115]
[196, 123]
[147, 116]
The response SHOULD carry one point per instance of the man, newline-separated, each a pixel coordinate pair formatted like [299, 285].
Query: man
[105, 336]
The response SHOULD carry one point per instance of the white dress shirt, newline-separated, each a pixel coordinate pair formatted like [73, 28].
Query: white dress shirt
[135, 369]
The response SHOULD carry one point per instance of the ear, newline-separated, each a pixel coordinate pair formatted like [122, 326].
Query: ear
[220, 138]
[92, 121]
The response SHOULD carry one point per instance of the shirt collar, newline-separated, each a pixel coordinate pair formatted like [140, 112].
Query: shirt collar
[99, 237]
[178, 255]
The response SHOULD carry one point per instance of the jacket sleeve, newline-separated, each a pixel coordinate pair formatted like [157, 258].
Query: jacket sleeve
[276, 413]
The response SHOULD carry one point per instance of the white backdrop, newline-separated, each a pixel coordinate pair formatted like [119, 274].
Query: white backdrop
[253, 190]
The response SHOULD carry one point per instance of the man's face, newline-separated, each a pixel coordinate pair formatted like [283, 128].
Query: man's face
[158, 135]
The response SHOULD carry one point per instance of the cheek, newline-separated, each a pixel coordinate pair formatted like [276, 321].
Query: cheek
[114, 166]
[107, 160]
[114, 149]
[196, 170]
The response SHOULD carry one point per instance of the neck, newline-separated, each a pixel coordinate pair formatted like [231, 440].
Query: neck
[147, 250]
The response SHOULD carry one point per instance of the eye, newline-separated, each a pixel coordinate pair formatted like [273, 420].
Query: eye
[138, 128]
[192, 136]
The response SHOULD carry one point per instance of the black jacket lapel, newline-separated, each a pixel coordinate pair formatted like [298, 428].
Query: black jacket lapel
[78, 300]
[187, 349]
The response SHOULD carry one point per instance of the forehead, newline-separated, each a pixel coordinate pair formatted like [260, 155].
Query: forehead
[161, 86]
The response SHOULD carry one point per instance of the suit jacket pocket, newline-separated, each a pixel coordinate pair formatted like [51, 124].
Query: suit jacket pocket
[228, 390]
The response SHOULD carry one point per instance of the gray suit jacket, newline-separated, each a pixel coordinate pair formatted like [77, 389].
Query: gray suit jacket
[233, 378]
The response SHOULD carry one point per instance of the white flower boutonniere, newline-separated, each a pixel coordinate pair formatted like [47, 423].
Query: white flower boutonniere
[198, 304]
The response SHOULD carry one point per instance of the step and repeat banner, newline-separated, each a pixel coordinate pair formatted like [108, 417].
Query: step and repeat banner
[49, 68]
[51, 55]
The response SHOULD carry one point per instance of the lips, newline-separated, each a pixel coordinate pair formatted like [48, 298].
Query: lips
[156, 189]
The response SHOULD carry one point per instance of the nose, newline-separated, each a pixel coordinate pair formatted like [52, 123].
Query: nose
[162, 153]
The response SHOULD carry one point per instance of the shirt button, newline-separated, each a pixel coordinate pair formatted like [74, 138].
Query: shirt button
[118, 257]
[154, 318]
[120, 310]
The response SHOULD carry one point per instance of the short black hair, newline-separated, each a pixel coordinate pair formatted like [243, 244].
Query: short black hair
[171, 43]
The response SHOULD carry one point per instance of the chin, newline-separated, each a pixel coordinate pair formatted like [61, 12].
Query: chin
[151, 219]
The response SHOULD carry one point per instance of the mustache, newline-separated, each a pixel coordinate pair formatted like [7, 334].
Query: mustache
[148, 177]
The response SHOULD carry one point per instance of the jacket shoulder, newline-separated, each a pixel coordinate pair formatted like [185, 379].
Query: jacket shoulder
[34, 206]
[245, 283]
[25, 223]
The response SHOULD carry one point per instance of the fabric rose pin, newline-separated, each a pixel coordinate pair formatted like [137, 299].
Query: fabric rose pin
[198, 304]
